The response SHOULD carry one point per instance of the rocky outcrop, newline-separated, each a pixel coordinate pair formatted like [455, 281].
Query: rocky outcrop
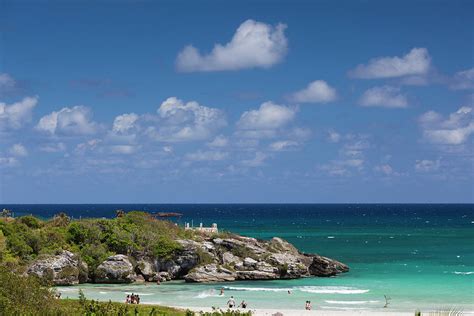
[183, 261]
[210, 273]
[205, 259]
[244, 258]
[62, 269]
[116, 269]
[326, 267]
[146, 269]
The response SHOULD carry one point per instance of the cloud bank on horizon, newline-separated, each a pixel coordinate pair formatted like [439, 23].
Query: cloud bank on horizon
[378, 123]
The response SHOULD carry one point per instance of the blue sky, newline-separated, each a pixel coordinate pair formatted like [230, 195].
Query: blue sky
[212, 101]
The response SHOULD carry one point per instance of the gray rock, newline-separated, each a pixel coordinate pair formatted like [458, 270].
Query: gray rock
[116, 269]
[140, 279]
[266, 267]
[210, 273]
[62, 269]
[230, 258]
[256, 275]
[326, 267]
[146, 268]
[283, 246]
[164, 276]
[249, 262]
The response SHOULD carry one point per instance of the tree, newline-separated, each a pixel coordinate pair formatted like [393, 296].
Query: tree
[6, 213]
[119, 213]
[61, 219]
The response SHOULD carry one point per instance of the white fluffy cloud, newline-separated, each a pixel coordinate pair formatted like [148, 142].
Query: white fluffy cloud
[254, 45]
[463, 80]
[124, 123]
[6, 82]
[68, 121]
[269, 116]
[16, 114]
[427, 165]
[8, 162]
[283, 145]
[385, 169]
[53, 147]
[207, 156]
[385, 96]
[219, 141]
[416, 62]
[454, 130]
[316, 92]
[123, 149]
[186, 121]
[256, 161]
[333, 136]
[18, 150]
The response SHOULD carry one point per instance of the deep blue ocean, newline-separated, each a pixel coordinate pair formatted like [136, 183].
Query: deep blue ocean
[421, 255]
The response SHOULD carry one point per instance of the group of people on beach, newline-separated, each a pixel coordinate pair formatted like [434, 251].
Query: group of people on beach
[231, 303]
[132, 299]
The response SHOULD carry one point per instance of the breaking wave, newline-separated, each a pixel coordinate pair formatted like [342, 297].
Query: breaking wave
[351, 302]
[331, 290]
[307, 289]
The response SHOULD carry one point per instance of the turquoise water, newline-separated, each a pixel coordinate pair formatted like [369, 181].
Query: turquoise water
[419, 255]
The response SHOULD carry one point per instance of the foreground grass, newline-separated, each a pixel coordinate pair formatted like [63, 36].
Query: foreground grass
[76, 307]
[87, 307]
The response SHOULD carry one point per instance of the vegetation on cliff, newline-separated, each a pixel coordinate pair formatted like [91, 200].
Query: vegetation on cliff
[27, 238]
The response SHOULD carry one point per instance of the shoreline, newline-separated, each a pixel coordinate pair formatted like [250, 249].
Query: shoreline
[316, 312]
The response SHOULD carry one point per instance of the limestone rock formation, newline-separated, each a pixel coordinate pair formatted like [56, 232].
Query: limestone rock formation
[62, 269]
[210, 273]
[116, 269]
[326, 267]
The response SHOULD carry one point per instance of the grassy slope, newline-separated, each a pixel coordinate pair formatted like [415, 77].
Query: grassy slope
[74, 307]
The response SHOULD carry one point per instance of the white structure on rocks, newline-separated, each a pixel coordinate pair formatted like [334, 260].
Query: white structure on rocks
[207, 230]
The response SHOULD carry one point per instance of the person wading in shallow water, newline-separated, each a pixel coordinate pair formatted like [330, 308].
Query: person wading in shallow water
[243, 304]
[231, 302]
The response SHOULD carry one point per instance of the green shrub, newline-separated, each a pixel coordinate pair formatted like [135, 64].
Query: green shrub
[30, 221]
[165, 247]
[21, 295]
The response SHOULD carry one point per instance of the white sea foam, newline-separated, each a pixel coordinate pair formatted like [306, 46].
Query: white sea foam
[307, 289]
[331, 290]
[257, 289]
[351, 302]
[331, 237]
[66, 290]
[141, 294]
[102, 292]
[206, 294]
[464, 273]
[343, 308]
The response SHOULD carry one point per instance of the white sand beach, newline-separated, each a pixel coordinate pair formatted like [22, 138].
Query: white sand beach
[292, 312]
[285, 312]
